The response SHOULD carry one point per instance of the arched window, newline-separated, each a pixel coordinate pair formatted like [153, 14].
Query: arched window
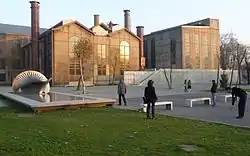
[124, 52]
[124, 56]
[72, 41]
[74, 66]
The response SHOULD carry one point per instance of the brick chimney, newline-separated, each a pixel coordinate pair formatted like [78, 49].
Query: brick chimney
[96, 20]
[140, 34]
[127, 19]
[35, 34]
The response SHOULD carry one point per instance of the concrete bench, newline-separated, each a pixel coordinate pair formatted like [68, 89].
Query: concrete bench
[72, 84]
[75, 84]
[226, 97]
[169, 105]
[189, 102]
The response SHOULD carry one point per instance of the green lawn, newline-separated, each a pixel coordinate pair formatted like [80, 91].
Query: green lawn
[108, 131]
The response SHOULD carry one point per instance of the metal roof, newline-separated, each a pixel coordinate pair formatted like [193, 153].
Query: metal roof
[17, 29]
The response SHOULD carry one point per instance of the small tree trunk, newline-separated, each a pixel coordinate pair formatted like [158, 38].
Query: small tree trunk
[166, 77]
[82, 79]
[170, 78]
[113, 76]
[248, 74]
[79, 85]
[239, 75]
[218, 72]
[231, 78]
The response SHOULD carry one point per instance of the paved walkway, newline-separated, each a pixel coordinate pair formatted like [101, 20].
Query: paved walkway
[132, 91]
[222, 113]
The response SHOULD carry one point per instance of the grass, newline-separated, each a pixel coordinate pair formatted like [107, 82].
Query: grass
[109, 131]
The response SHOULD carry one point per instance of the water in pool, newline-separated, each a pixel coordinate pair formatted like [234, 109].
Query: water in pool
[52, 97]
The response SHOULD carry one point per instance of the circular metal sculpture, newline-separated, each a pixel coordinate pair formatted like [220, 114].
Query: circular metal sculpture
[31, 81]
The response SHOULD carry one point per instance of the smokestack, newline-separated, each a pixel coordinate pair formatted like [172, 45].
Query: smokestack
[127, 19]
[140, 34]
[96, 20]
[140, 31]
[35, 33]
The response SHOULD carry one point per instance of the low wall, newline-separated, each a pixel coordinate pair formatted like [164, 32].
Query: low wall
[178, 76]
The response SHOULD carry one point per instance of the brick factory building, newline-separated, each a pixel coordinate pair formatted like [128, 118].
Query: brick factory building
[50, 51]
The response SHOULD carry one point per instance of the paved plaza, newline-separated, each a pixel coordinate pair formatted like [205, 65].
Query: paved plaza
[221, 113]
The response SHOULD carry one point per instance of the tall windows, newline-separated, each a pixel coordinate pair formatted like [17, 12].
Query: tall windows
[197, 50]
[187, 50]
[205, 52]
[124, 56]
[101, 52]
[74, 66]
[124, 52]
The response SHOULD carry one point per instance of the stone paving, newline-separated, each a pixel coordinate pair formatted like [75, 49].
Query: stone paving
[221, 113]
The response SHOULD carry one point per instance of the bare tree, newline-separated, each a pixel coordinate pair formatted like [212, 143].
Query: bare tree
[165, 72]
[225, 51]
[229, 46]
[114, 58]
[247, 65]
[172, 60]
[83, 51]
[240, 56]
[218, 66]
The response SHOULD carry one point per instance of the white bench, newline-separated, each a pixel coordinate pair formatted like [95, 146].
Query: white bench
[226, 97]
[72, 84]
[169, 105]
[189, 102]
[75, 84]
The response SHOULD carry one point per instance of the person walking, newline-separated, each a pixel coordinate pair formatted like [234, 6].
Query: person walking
[150, 98]
[213, 92]
[185, 85]
[121, 91]
[189, 86]
[242, 95]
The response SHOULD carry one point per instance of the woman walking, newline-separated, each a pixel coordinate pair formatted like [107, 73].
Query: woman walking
[151, 98]
[185, 85]
[189, 86]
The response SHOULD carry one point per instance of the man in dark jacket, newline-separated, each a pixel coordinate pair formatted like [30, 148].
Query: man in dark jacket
[150, 98]
[121, 91]
[213, 92]
[242, 95]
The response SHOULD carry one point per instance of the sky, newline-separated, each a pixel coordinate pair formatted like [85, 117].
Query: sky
[152, 14]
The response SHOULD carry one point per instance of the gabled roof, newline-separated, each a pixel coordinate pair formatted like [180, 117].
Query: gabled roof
[56, 27]
[17, 29]
[104, 26]
[114, 32]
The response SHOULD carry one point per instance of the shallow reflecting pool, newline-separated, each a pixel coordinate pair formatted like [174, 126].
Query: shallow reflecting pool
[52, 97]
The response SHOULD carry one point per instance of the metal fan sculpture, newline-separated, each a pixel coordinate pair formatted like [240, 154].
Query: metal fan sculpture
[32, 82]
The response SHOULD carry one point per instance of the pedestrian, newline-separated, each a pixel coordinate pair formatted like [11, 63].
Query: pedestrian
[121, 91]
[189, 86]
[242, 95]
[213, 92]
[150, 98]
[185, 85]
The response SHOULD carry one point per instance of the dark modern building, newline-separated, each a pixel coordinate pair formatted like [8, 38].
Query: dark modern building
[194, 45]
